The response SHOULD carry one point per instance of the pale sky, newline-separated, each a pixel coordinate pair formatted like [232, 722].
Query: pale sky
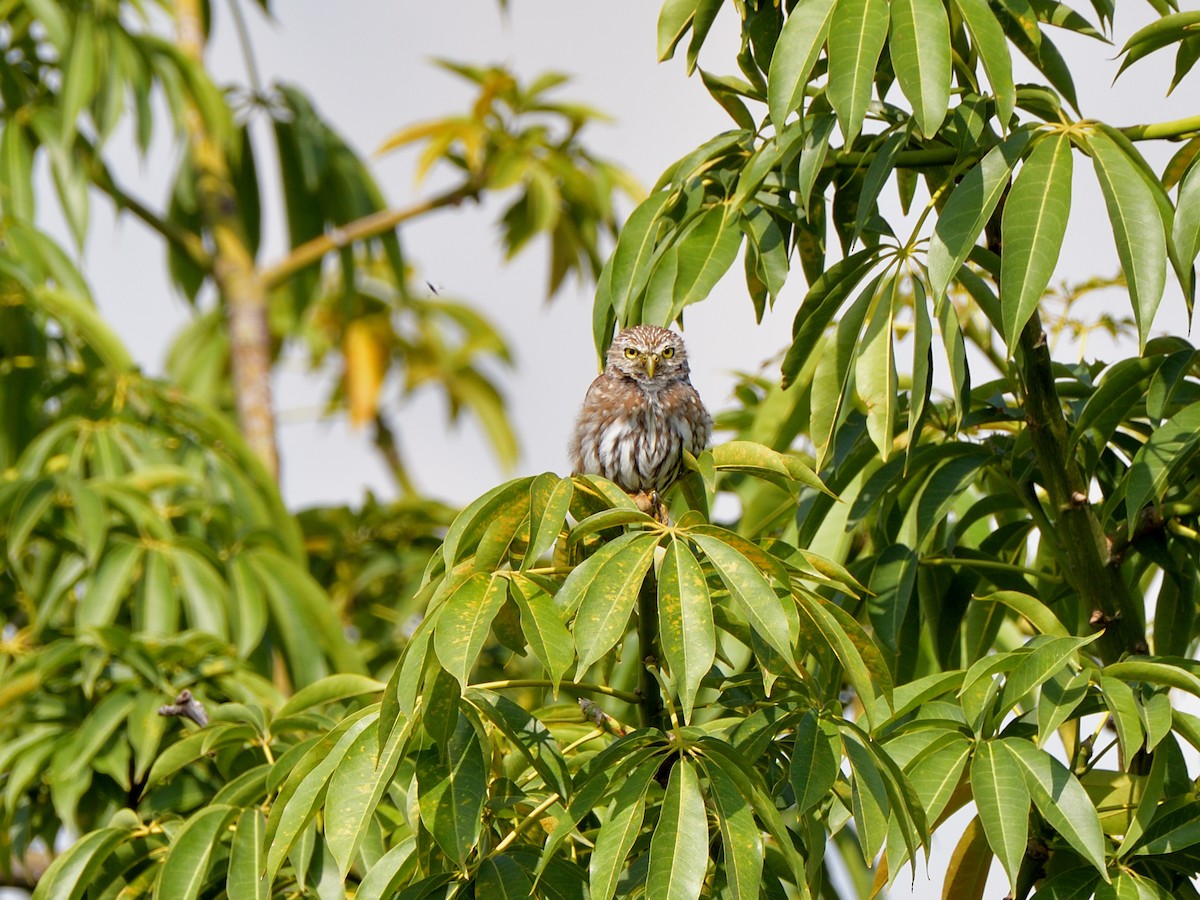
[366, 67]
[367, 70]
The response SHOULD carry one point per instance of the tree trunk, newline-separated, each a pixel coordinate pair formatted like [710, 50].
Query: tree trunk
[239, 282]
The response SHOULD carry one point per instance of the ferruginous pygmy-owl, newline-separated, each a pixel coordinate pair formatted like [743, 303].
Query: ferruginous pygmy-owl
[640, 414]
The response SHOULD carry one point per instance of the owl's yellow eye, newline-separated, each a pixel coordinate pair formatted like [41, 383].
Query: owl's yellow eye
[630, 353]
[668, 352]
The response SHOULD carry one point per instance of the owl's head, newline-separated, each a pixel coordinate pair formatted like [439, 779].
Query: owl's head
[649, 355]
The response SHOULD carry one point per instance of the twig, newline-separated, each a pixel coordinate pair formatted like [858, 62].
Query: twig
[186, 707]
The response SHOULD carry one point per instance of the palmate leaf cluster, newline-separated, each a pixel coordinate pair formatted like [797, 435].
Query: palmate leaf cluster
[976, 602]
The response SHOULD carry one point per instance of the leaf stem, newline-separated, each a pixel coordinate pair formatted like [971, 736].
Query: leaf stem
[988, 564]
[533, 816]
[1177, 128]
[570, 687]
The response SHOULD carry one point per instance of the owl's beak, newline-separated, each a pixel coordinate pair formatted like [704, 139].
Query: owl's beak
[651, 364]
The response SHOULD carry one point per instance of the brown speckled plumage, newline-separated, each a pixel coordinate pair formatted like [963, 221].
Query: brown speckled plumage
[640, 413]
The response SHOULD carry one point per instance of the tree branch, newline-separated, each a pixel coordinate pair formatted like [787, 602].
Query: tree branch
[370, 226]
[185, 241]
[1075, 530]
[944, 156]
[1083, 542]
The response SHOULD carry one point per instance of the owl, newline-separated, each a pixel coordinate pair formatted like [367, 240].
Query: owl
[639, 415]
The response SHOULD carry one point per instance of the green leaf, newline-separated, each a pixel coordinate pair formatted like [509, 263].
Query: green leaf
[306, 785]
[1061, 800]
[329, 689]
[351, 798]
[101, 600]
[968, 209]
[94, 735]
[1137, 229]
[992, 47]
[463, 536]
[575, 588]
[1186, 229]
[546, 519]
[883, 163]
[204, 593]
[249, 606]
[753, 594]
[856, 38]
[1033, 609]
[970, 862]
[1003, 803]
[832, 381]
[90, 516]
[1119, 698]
[719, 754]
[1170, 447]
[72, 873]
[920, 49]
[741, 843]
[247, 859]
[634, 253]
[814, 766]
[1121, 387]
[824, 298]
[185, 869]
[685, 620]
[383, 879]
[1032, 228]
[869, 798]
[759, 460]
[16, 172]
[796, 51]
[80, 79]
[674, 20]
[1162, 671]
[347, 826]
[35, 500]
[818, 130]
[706, 251]
[52, 17]
[1170, 834]
[542, 624]
[706, 14]
[1156, 713]
[892, 586]
[605, 610]
[500, 877]
[1060, 697]
[452, 788]
[613, 843]
[857, 653]
[465, 622]
[1147, 805]
[875, 369]
[531, 738]
[679, 847]
[935, 774]
[301, 617]
[1047, 657]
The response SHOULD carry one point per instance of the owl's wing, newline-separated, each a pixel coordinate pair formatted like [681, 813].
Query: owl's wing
[598, 411]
